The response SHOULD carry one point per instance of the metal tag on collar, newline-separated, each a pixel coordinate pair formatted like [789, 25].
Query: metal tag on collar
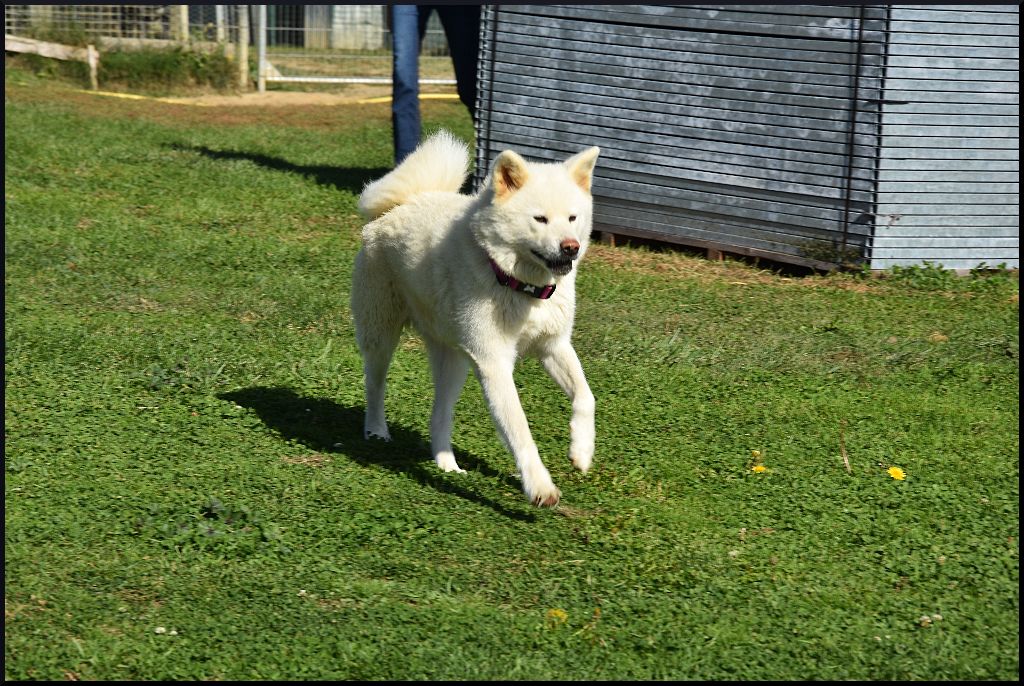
[539, 292]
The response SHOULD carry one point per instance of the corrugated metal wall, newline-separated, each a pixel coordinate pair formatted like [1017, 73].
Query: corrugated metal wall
[949, 171]
[752, 129]
[748, 128]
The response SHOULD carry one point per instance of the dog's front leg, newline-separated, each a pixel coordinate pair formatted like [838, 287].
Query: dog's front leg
[562, 363]
[503, 401]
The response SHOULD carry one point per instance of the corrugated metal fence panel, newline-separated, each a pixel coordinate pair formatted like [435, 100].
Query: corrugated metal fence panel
[949, 169]
[749, 128]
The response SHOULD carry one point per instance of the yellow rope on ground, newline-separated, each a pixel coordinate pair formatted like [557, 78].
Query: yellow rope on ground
[423, 96]
[133, 96]
[173, 101]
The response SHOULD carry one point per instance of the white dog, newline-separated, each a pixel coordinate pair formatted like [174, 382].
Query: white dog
[484, 279]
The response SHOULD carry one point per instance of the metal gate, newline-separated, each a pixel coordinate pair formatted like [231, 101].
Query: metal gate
[338, 44]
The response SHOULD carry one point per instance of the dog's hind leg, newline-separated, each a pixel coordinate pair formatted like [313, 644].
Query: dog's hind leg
[379, 315]
[449, 368]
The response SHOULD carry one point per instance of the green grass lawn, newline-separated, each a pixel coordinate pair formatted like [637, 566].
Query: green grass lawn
[188, 495]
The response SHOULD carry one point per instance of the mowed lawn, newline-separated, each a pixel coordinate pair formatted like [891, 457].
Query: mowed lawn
[188, 496]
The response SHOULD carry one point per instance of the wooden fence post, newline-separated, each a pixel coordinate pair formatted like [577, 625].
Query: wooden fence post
[181, 25]
[261, 49]
[92, 56]
[242, 54]
[220, 23]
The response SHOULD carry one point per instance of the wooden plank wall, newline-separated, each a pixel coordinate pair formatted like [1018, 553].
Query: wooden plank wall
[950, 159]
[746, 128]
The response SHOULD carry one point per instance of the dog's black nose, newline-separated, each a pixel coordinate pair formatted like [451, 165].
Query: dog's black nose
[570, 248]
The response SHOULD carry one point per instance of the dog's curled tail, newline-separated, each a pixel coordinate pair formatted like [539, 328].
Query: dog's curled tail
[440, 163]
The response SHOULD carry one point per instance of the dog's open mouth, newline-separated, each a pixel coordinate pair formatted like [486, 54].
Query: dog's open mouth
[559, 266]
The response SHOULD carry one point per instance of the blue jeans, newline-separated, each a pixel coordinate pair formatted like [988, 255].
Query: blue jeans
[461, 25]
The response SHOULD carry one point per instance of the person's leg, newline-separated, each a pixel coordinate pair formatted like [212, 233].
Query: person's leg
[462, 29]
[424, 17]
[405, 89]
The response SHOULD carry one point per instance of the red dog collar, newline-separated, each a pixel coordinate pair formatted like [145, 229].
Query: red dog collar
[541, 292]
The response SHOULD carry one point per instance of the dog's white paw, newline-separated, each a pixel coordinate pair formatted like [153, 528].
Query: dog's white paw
[581, 459]
[581, 450]
[546, 498]
[541, 490]
[446, 461]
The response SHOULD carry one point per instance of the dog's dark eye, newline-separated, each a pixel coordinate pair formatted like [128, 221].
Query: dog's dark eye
[541, 219]
[572, 217]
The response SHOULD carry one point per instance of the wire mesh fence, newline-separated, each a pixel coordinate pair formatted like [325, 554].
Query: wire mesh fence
[75, 23]
[310, 43]
[345, 43]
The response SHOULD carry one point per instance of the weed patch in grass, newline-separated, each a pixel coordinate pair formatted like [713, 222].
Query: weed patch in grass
[166, 70]
[146, 71]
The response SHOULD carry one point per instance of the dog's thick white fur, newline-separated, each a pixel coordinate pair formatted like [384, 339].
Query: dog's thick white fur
[424, 261]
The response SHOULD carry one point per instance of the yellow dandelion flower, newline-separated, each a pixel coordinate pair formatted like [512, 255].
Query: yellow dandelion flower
[759, 468]
[557, 616]
[896, 473]
[755, 454]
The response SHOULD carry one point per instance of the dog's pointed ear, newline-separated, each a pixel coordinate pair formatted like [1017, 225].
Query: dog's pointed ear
[581, 167]
[509, 174]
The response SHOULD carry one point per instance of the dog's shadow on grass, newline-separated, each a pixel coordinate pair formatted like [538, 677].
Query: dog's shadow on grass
[327, 427]
[342, 178]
